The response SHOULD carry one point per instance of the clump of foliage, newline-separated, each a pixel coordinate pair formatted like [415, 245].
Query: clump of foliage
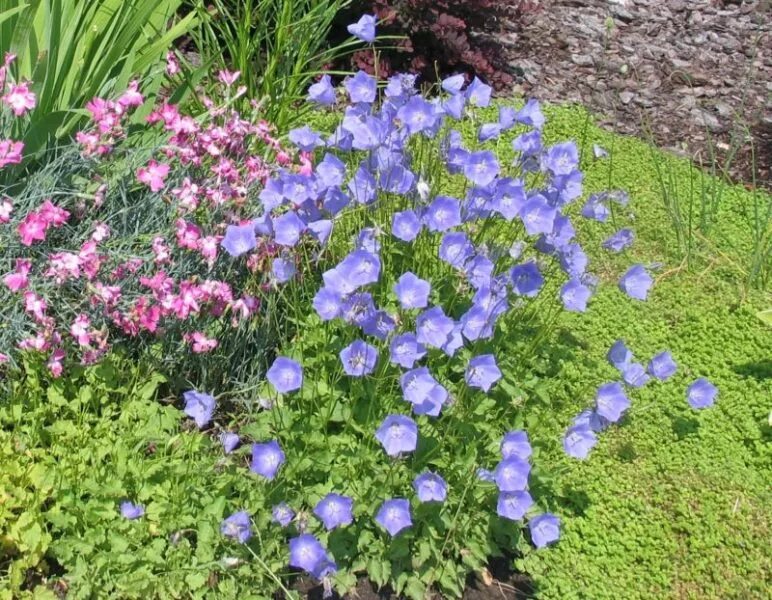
[440, 37]
[419, 270]
[74, 451]
[278, 46]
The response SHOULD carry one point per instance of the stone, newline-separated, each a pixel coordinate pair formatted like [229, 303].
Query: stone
[626, 96]
[706, 119]
[583, 60]
[621, 13]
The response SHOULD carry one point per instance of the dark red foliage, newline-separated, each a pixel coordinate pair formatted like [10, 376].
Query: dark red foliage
[442, 37]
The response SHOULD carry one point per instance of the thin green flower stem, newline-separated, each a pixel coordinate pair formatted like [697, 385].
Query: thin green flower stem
[270, 573]
[452, 528]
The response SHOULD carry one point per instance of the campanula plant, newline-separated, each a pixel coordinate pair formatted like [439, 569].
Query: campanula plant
[436, 249]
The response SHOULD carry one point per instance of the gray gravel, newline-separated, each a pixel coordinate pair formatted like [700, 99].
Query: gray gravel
[697, 73]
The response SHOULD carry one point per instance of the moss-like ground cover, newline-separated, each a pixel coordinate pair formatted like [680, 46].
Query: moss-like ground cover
[673, 504]
[670, 504]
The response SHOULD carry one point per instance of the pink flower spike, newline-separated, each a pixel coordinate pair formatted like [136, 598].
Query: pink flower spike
[8, 59]
[228, 77]
[32, 229]
[4, 358]
[6, 208]
[10, 152]
[20, 99]
[153, 175]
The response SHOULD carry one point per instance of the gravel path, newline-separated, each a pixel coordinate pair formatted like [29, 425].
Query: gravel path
[697, 74]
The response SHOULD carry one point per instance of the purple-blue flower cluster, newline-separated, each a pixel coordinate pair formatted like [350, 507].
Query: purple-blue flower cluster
[432, 338]
[611, 401]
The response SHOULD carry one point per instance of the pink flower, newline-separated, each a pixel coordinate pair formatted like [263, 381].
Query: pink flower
[131, 97]
[201, 343]
[148, 315]
[161, 251]
[243, 308]
[170, 114]
[172, 66]
[153, 175]
[208, 247]
[187, 195]
[106, 294]
[55, 362]
[306, 168]
[32, 229]
[53, 214]
[101, 232]
[10, 152]
[228, 77]
[37, 342]
[79, 330]
[188, 234]
[90, 142]
[98, 108]
[6, 208]
[90, 261]
[35, 305]
[18, 280]
[4, 358]
[186, 302]
[160, 283]
[63, 266]
[20, 99]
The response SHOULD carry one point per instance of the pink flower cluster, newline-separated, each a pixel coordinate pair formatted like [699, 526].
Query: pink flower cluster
[20, 100]
[108, 117]
[35, 225]
[206, 177]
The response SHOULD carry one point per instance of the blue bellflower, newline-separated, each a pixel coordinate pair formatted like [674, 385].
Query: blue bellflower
[334, 511]
[701, 394]
[238, 526]
[545, 530]
[285, 375]
[513, 505]
[394, 516]
[266, 459]
[199, 407]
[397, 434]
[430, 487]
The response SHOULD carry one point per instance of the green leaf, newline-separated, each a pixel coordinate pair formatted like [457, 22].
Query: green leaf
[197, 579]
[379, 571]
